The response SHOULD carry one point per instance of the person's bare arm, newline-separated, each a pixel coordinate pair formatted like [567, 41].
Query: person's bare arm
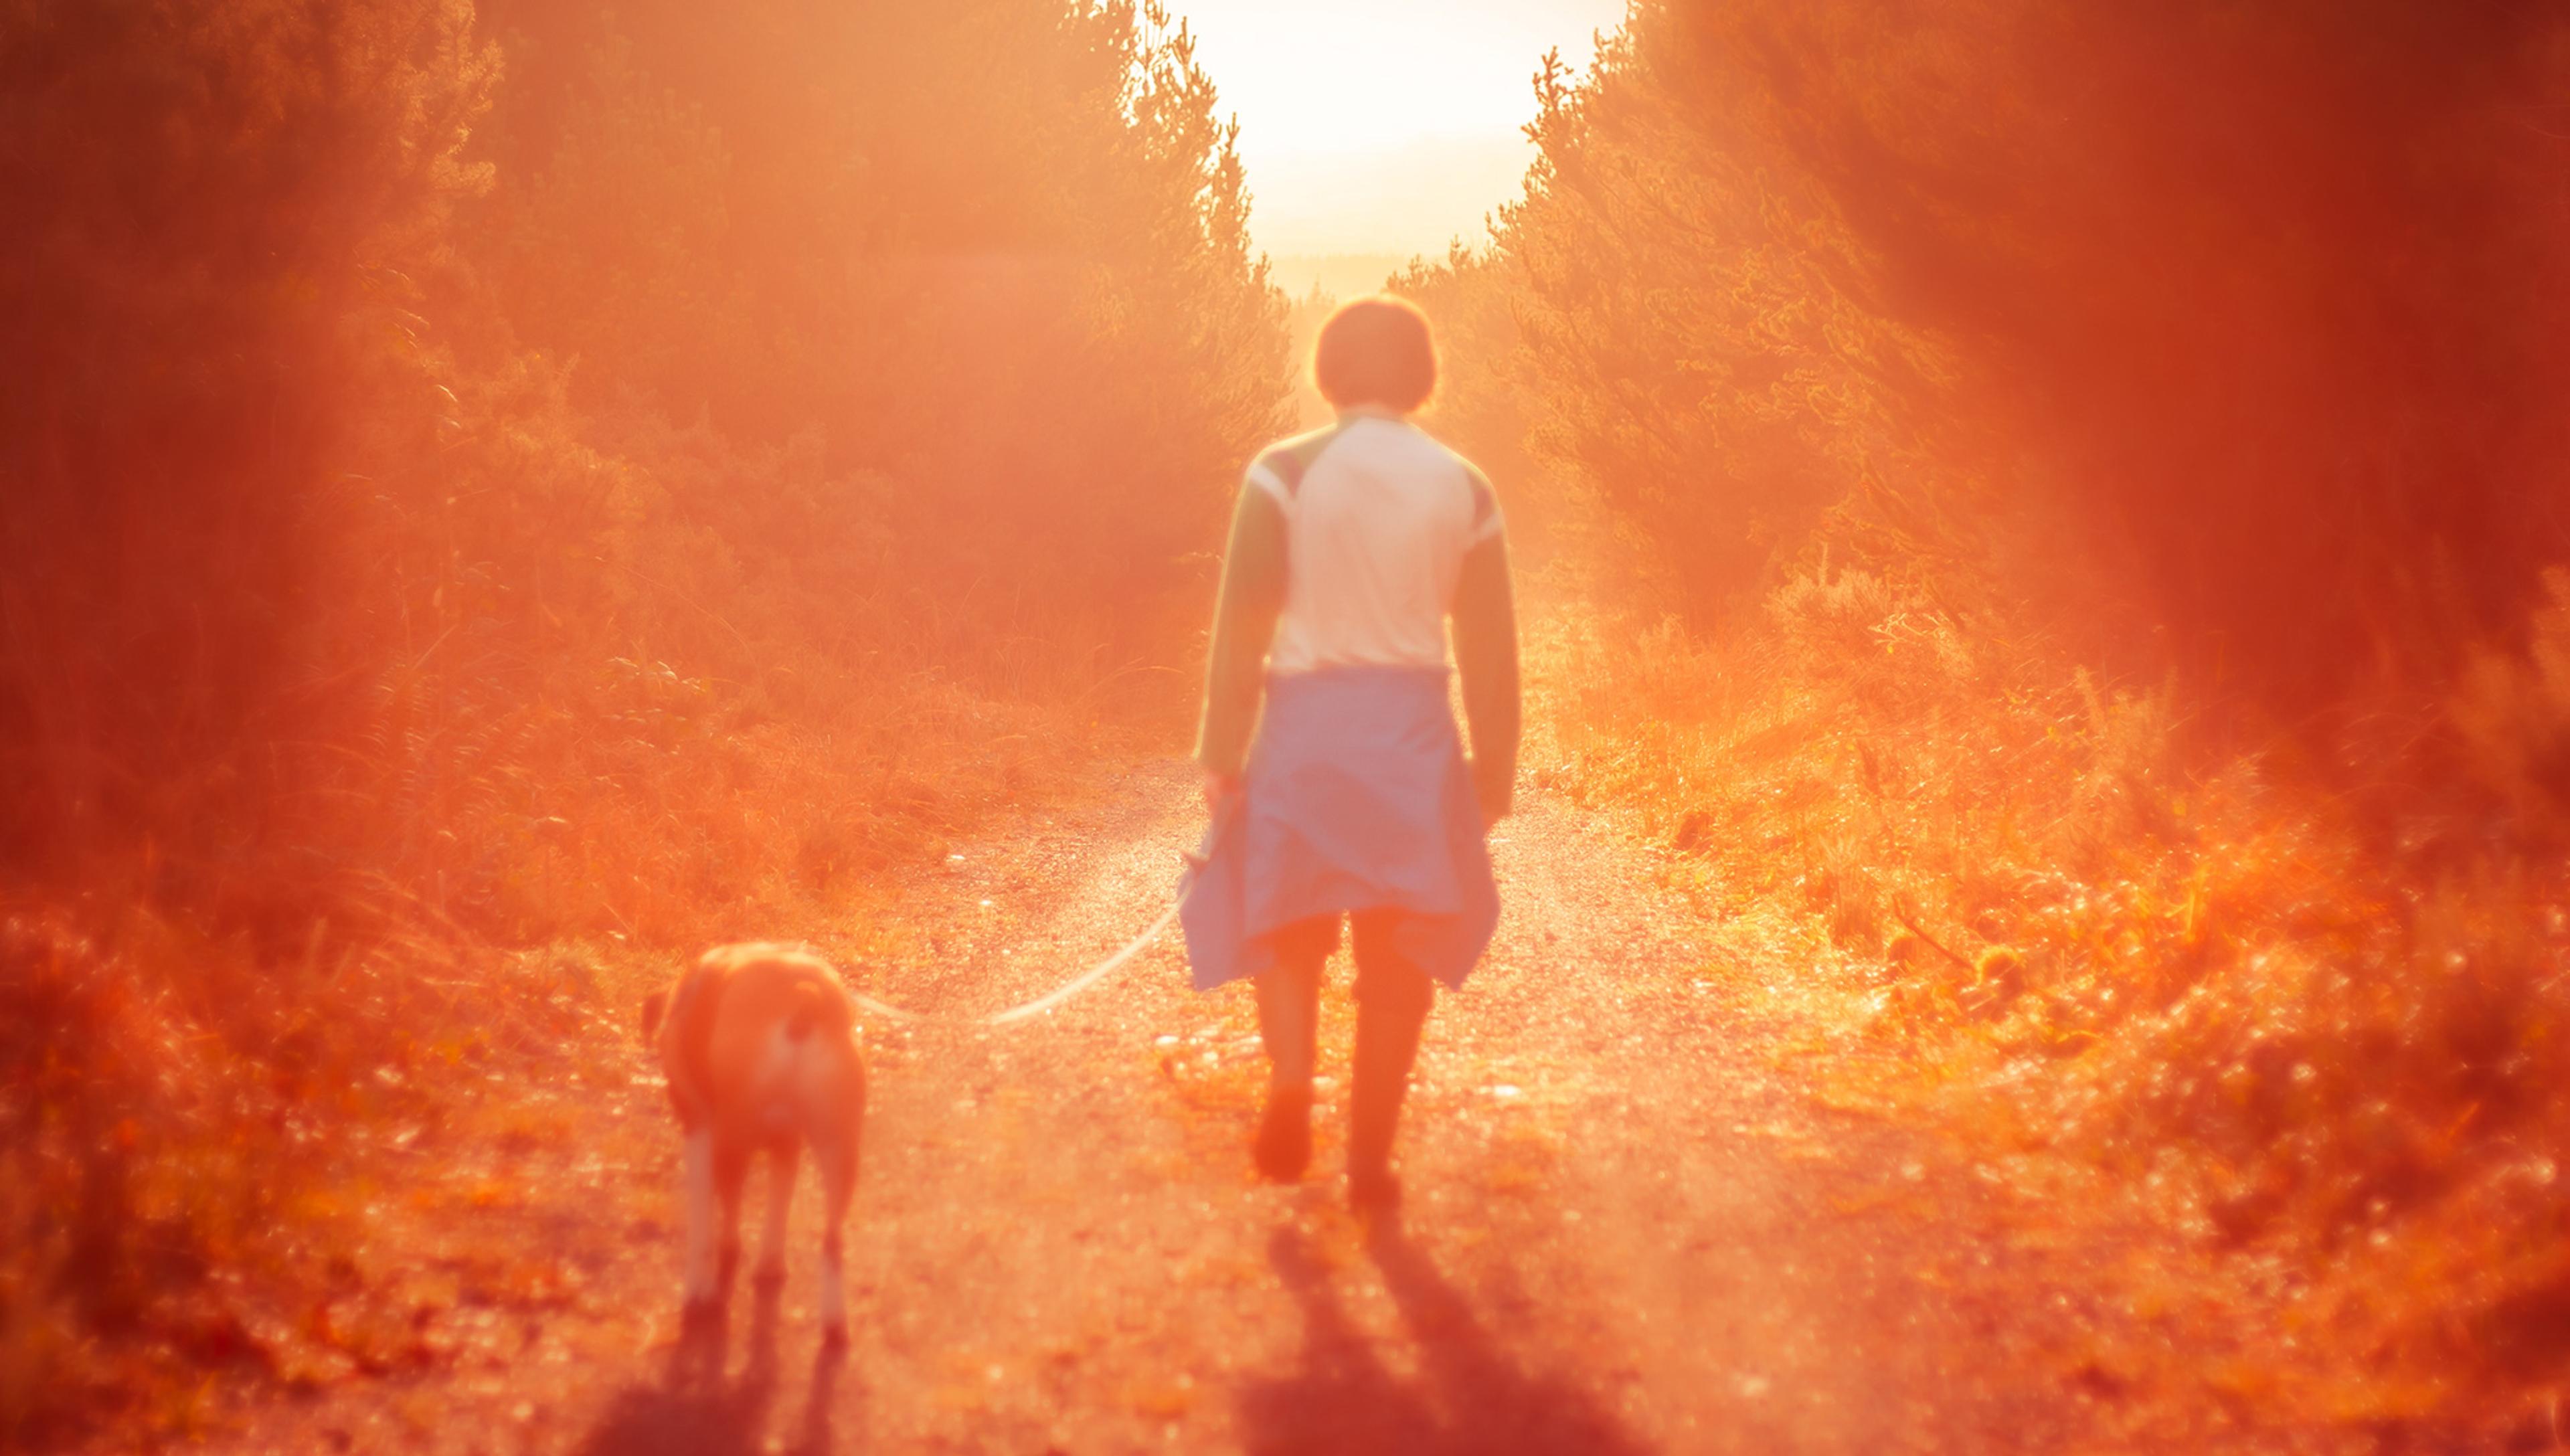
[1244, 626]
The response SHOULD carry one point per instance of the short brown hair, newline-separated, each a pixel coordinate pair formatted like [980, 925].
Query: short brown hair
[1376, 351]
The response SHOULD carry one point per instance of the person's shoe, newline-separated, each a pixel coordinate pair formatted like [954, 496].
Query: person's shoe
[1284, 1146]
[1374, 1191]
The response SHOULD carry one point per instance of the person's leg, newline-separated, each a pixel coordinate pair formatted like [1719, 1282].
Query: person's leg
[1289, 1015]
[1392, 998]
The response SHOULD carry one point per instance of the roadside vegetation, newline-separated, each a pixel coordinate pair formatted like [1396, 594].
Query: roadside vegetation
[561, 471]
[2067, 571]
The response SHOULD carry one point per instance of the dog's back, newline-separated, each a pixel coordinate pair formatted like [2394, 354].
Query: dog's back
[758, 1043]
[758, 1038]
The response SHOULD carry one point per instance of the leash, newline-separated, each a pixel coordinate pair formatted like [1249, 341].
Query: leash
[1086, 978]
[1044, 1002]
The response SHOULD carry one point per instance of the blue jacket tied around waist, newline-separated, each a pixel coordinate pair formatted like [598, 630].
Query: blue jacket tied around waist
[1356, 797]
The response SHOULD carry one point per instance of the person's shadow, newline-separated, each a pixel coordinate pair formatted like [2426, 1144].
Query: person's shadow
[693, 1410]
[1469, 1396]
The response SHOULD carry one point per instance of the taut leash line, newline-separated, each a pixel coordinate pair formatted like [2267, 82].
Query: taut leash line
[1044, 1002]
[1086, 978]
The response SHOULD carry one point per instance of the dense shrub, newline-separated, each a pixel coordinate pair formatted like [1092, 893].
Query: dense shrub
[586, 470]
[2248, 325]
[2140, 428]
[2265, 307]
[213, 214]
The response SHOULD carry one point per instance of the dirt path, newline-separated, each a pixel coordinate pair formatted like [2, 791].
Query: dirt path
[1630, 1228]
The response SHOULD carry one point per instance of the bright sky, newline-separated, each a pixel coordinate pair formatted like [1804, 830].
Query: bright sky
[1383, 125]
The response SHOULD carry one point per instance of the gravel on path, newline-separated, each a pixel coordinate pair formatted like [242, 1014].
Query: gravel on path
[1629, 1227]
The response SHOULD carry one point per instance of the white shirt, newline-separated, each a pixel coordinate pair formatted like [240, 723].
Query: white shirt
[1377, 526]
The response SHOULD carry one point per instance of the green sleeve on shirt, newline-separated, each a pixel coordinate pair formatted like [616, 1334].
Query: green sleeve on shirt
[1245, 624]
[1486, 654]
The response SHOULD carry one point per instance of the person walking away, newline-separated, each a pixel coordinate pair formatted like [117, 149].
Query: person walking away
[1340, 786]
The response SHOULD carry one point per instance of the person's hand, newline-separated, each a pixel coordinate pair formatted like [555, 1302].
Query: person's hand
[1219, 788]
[1495, 794]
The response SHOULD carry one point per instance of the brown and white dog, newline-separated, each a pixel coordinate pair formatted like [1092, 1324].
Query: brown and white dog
[760, 1044]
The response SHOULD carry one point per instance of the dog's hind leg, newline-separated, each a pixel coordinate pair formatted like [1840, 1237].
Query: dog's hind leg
[781, 1160]
[702, 1281]
[731, 1171]
[837, 1157]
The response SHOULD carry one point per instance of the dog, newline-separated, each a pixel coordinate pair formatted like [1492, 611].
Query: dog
[759, 1045]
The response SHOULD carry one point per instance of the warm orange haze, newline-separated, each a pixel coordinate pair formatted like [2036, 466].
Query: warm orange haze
[1924, 808]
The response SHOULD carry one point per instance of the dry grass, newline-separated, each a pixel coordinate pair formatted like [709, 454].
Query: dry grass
[199, 1112]
[2315, 1071]
[192, 1127]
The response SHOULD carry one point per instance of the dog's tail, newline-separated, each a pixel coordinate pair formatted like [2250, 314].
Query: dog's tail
[652, 1005]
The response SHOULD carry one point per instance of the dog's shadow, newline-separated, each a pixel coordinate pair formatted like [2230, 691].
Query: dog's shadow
[1469, 1397]
[693, 1409]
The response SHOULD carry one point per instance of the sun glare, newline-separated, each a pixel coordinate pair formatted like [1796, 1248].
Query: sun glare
[1383, 128]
